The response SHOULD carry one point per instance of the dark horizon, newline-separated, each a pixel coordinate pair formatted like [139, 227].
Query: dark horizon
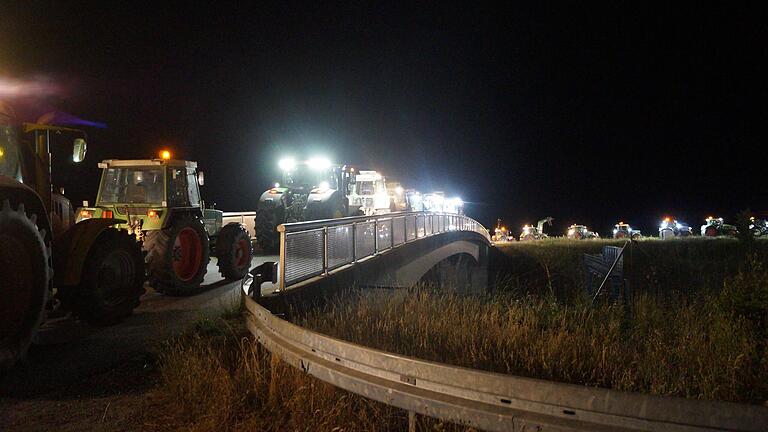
[589, 115]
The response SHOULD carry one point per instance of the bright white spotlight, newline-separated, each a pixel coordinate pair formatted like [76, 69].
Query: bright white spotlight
[319, 163]
[399, 190]
[323, 186]
[287, 164]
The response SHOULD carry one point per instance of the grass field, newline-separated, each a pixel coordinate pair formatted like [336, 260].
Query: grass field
[695, 326]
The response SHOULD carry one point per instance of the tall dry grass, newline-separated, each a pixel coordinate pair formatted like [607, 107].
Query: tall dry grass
[214, 377]
[711, 346]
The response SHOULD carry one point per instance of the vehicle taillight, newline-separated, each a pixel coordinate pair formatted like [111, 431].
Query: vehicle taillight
[107, 214]
[153, 213]
[86, 214]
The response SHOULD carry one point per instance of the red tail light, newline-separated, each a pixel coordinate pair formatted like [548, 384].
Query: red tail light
[107, 214]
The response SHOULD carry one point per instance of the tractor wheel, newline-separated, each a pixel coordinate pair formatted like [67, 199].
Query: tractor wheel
[112, 281]
[528, 237]
[666, 234]
[267, 220]
[636, 236]
[178, 256]
[620, 235]
[24, 277]
[234, 251]
[710, 231]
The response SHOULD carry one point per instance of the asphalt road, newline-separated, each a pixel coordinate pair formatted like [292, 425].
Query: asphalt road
[69, 351]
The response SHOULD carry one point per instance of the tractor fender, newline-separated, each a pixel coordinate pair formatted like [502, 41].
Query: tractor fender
[272, 197]
[71, 249]
[18, 193]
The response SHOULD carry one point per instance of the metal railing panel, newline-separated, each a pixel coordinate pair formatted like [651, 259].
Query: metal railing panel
[304, 255]
[420, 226]
[398, 231]
[341, 245]
[410, 228]
[365, 239]
[383, 234]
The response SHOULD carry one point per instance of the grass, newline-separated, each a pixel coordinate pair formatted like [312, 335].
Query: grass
[215, 377]
[696, 327]
[705, 339]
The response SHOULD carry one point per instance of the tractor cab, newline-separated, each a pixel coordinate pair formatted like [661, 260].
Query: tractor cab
[370, 193]
[144, 193]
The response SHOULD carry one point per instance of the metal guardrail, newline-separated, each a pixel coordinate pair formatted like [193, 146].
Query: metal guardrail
[486, 400]
[317, 248]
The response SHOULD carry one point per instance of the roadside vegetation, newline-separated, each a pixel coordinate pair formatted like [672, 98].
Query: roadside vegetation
[695, 325]
[215, 377]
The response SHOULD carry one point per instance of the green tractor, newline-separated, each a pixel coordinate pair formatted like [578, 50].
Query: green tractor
[310, 190]
[160, 201]
[715, 227]
[50, 265]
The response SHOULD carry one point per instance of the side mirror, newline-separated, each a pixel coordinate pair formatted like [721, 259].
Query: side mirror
[78, 150]
[200, 178]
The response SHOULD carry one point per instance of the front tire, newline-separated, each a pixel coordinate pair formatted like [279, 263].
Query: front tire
[267, 220]
[24, 278]
[112, 281]
[178, 256]
[235, 251]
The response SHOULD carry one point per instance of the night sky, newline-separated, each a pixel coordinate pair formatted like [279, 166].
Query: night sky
[589, 114]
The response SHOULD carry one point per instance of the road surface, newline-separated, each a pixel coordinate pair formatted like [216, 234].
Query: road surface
[69, 351]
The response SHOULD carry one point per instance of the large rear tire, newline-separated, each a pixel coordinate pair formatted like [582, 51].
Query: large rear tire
[178, 256]
[24, 277]
[112, 281]
[710, 231]
[234, 251]
[267, 220]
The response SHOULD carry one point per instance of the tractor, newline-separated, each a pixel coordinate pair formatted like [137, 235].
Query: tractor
[758, 227]
[581, 232]
[671, 228]
[536, 233]
[370, 194]
[715, 227]
[159, 200]
[310, 190]
[50, 265]
[398, 197]
[501, 233]
[622, 231]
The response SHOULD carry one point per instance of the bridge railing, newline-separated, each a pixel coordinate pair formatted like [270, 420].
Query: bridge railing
[318, 248]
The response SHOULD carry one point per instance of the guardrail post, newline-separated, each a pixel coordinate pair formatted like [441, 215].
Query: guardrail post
[354, 243]
[376, 236]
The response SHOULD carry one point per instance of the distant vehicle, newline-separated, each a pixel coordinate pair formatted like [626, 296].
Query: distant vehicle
[370, 194]
[501, 233]
[397, 197]
[715, 227]
[438, 203]
[758, 227]
[623, 230]
[670, 228]
[537, 232]
[581, 232]
[311, 190]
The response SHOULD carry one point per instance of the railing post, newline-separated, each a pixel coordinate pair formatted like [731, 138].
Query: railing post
[391, 233]
[325, 251]
[376, 236]
[354, 242]
[281, 282]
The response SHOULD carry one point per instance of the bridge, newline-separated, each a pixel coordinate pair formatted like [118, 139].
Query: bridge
[398, 250]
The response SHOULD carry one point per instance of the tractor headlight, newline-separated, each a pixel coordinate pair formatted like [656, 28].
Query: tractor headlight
[287, 164]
